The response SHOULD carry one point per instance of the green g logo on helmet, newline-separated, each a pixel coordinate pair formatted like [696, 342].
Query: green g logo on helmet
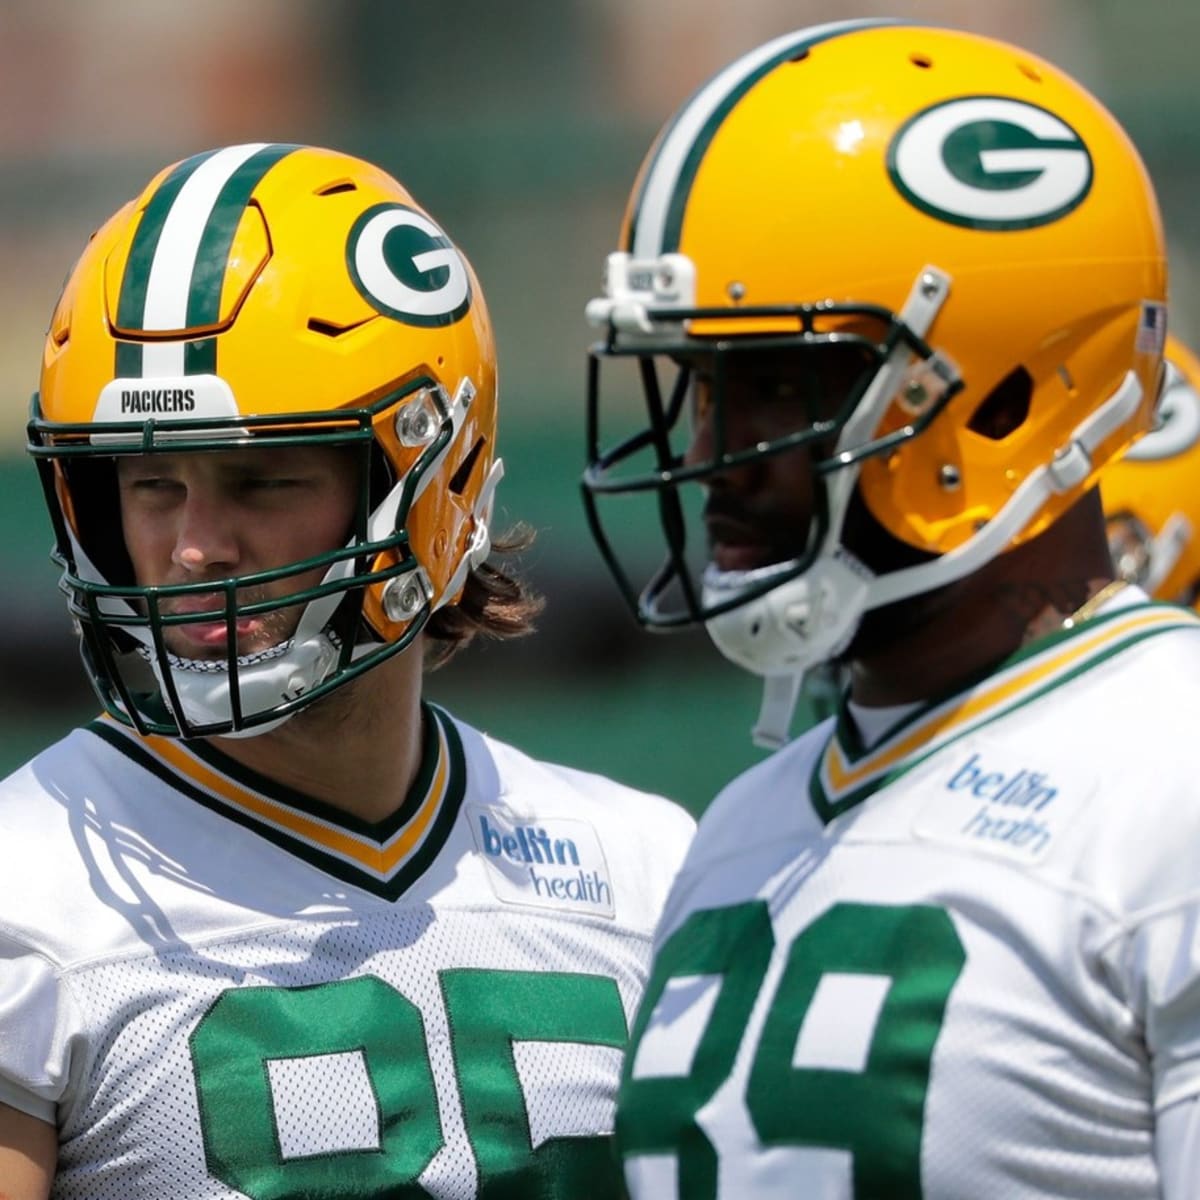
[406, 267]
[989, 162]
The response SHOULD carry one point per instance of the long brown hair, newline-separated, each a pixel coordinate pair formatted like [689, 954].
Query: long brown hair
[494, 604]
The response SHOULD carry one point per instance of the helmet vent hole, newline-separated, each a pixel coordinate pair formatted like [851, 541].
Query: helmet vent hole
[799, 57]
[463, 474]
[1030, 72]
[1005, 409]
[921, 60]
[334, 189]
[330, 328]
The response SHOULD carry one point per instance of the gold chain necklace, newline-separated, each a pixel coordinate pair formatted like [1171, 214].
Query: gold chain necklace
[1093, 604]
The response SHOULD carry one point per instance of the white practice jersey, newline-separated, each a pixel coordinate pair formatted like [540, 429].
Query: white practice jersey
[220, 989]
[964, 963]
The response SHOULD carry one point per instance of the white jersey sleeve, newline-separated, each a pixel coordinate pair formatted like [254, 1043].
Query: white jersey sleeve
[40, 1025]
[1156, 957]
[1177, 1149]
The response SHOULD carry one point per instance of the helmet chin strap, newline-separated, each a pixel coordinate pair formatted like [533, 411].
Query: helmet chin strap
[205, 696]
[790, 629]
[1167, 549]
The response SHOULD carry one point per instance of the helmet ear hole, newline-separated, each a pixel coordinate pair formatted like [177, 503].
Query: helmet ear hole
[1005, 408]
[462, 476]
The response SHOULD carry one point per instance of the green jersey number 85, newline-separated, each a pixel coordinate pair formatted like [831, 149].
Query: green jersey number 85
[350, 1058]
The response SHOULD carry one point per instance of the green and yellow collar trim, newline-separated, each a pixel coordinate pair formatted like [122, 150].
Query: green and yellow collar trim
[846, 773]
[383, 857]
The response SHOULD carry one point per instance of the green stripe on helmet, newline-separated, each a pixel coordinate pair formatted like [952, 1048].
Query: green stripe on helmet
[212, 257]
[131, 306]
[128, 364]
[200, 357]
[204, 299]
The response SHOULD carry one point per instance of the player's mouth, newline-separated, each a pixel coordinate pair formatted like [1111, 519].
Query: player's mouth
[738, 545]
[200, 638]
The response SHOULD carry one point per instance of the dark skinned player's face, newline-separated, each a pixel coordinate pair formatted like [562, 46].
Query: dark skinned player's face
[761, 511]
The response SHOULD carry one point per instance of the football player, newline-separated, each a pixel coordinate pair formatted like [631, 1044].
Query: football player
[272, 925]
[891, 296]
[1150, 492]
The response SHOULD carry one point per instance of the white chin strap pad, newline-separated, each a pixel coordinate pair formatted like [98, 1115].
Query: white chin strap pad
[802, 622]
[789, 630]
[205, 693]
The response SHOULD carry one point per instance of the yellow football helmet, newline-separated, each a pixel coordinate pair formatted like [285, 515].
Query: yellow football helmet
[260, 295]
[1152, 495]
[960, 214]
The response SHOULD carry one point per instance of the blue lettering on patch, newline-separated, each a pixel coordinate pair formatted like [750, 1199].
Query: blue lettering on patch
[1022, 789]
[1012, 802]
[984, 801]
[527, 844]
[554, 862]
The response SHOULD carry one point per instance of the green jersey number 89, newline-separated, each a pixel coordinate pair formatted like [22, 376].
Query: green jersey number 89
[908, 957]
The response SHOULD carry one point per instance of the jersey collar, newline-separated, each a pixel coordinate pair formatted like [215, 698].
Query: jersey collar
[382, 857]
[847, 772]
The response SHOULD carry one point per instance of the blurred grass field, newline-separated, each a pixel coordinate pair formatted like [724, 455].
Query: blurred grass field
[682, 738]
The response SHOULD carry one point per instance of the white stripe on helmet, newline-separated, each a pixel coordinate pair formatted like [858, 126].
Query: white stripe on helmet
[668, 164]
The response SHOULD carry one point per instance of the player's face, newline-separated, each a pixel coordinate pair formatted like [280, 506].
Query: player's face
[760, 511]
[204, 517]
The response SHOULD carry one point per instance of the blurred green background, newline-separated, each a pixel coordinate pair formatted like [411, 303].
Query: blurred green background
[520, 126]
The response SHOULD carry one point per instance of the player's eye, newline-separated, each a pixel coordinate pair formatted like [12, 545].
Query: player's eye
[273, 481]
[150, 483]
